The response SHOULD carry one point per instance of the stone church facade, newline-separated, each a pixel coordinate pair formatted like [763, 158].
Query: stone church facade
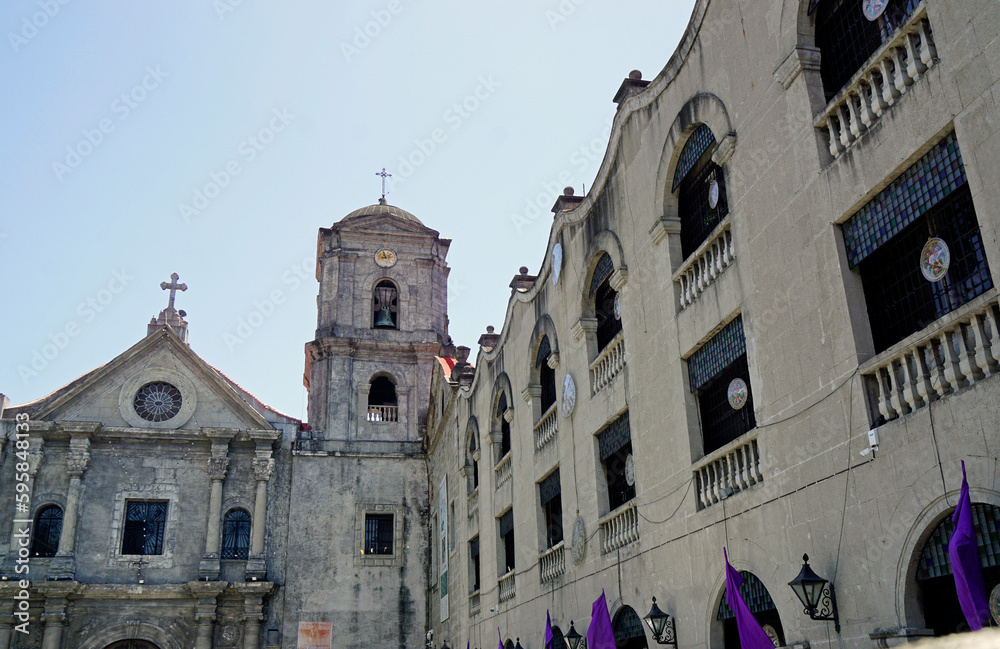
[782, 252]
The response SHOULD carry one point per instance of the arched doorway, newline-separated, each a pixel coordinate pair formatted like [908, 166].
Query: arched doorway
[629, 633]
[132, 644]
[935, 582]
[760, 604]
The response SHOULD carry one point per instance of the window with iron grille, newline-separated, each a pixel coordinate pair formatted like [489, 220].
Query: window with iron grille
[847, 39]
[886, 237]
[236, 535]
[474, 564]
[550, 496]
[504, 426]
[46, 531]
[701, 190]
[546, 375]
[713, 369]
[506, 523]
[145, 523]
[615, 446]
[378, 534]
[608, 321]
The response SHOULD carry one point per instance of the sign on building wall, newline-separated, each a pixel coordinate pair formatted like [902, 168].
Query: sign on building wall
[443, 541]
[315, 635]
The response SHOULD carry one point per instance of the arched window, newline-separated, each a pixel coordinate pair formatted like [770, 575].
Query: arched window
[935, 581]
[546, 375]
[46, 531]
[472, 455]
[606, 308]
[385, 306]
[628, 630]
[236, 535]
[382, 405]
[760, 604]
[846, 38]
[701, 190]
[504, 426]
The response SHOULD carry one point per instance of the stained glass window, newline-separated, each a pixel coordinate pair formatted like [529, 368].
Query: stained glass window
[544, 349]
[236, 535]
[605, 266]
[627, 625]
[46, 531]
[934, 560]
[145, 523]
[157, 401]
[754, 594]
[718, 353]
[615, 436]
[697, 144]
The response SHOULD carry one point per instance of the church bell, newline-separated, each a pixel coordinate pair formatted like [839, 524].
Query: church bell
[384, 297]
[384, 319]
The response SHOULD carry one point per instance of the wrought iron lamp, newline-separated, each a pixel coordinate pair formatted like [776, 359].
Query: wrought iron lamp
[662, 626]
[445, 645]
[816, 594]
[572, 638]
[517, 645]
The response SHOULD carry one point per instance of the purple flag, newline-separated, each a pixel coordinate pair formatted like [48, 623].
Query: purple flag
[964, 554]
[500, 646]
[599, 633]
[751, 635]
[548, 631]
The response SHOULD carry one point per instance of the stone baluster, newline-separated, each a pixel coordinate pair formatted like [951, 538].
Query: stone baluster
[889, 91]
[209, 567]
[915, 67]
[927, 50]
[895, 391]
[835, 147]
[994, 333]
[983, 353]
[877, 101]
[63, 565]
[845, 129]
[923, 373]
[952, 368]
[756, 461]
[864, 93]
[902, 80]
[966, 354]
[908, 363]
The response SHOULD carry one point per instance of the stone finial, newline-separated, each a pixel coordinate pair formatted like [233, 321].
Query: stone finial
[567, 201]
[489, 339]
[631, 86]
[462, 352]
[522, 282]
[635, 75]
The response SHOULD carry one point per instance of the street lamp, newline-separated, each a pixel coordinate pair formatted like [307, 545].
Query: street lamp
[572, 638]
[445, 645]
[662, 626]
[816, 595]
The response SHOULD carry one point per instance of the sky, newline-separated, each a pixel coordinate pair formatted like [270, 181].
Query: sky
[212, 139]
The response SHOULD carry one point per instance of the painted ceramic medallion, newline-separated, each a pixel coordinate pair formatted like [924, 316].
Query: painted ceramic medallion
[569, 396]
[874, 8]
[772, 635]
[713, 194]
[629, 470]
[579, 540]
[385, 258]
[618, 306]
[556, 262]
[738, 393]
[935, 259]
[995, 604]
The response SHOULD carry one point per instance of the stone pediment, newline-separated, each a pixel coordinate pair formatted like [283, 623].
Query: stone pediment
[383, 223]
[196, 394]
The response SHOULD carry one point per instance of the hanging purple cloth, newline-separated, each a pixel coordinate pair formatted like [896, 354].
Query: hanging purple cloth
[548, 631]
[964, 554]
[500, 646]
[751, 635]
[599, 633]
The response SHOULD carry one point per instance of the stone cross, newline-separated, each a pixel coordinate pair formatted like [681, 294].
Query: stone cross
[384, 176]
[173, 286]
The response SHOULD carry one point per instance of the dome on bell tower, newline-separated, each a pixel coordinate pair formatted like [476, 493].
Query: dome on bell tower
[381, 208]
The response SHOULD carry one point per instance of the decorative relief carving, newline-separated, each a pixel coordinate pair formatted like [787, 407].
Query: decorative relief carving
[217, 467]
[263, 467]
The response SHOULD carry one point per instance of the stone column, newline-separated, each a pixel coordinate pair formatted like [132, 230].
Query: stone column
[253, 610]
[8, 590]
[206, 593]
[362, 429]
[20, 532]
[263, 467]
[209, 567]
[54, 617]
[77, 461]
[403, 406]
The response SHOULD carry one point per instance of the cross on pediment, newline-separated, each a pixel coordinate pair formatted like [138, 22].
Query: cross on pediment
[173, 287]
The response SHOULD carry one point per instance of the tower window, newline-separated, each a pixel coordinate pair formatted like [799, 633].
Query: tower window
[382, 404]
[385, 306]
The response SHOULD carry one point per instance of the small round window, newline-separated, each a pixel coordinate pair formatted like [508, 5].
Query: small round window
[157, 401]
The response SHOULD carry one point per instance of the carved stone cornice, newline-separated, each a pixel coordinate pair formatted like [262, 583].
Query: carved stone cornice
[36, 455]
[217, 467]
[584, 326]
[78, 457]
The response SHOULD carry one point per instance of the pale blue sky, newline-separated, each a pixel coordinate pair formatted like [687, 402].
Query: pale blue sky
[116, 114]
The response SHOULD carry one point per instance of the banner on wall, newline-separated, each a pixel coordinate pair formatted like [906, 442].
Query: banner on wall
[443, 542]
[315, 635]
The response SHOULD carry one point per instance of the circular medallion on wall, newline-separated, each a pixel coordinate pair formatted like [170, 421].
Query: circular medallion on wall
[385, 258]
[874, 8]
[569, 396]
[935, 258]
[629, 470]
[157, 397]
[556, 262]
[713, 193]
[738, 393]
[579, 549]
[157, 401]
[618, 306]
[771, 634]
[995, 604]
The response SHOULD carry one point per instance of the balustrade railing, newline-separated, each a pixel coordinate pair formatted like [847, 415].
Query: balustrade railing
[383, 413]
[953, 356]
[474, 604]
[608, 364]
[733, 468]
[506, 586]
[546, 427]
[620, 527]
[703, 267]
[502, 471]
[886, 76]
[553, 561]
[474, 503]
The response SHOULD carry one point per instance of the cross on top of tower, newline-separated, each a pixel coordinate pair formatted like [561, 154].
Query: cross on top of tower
[173, 287]
[384, 175]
